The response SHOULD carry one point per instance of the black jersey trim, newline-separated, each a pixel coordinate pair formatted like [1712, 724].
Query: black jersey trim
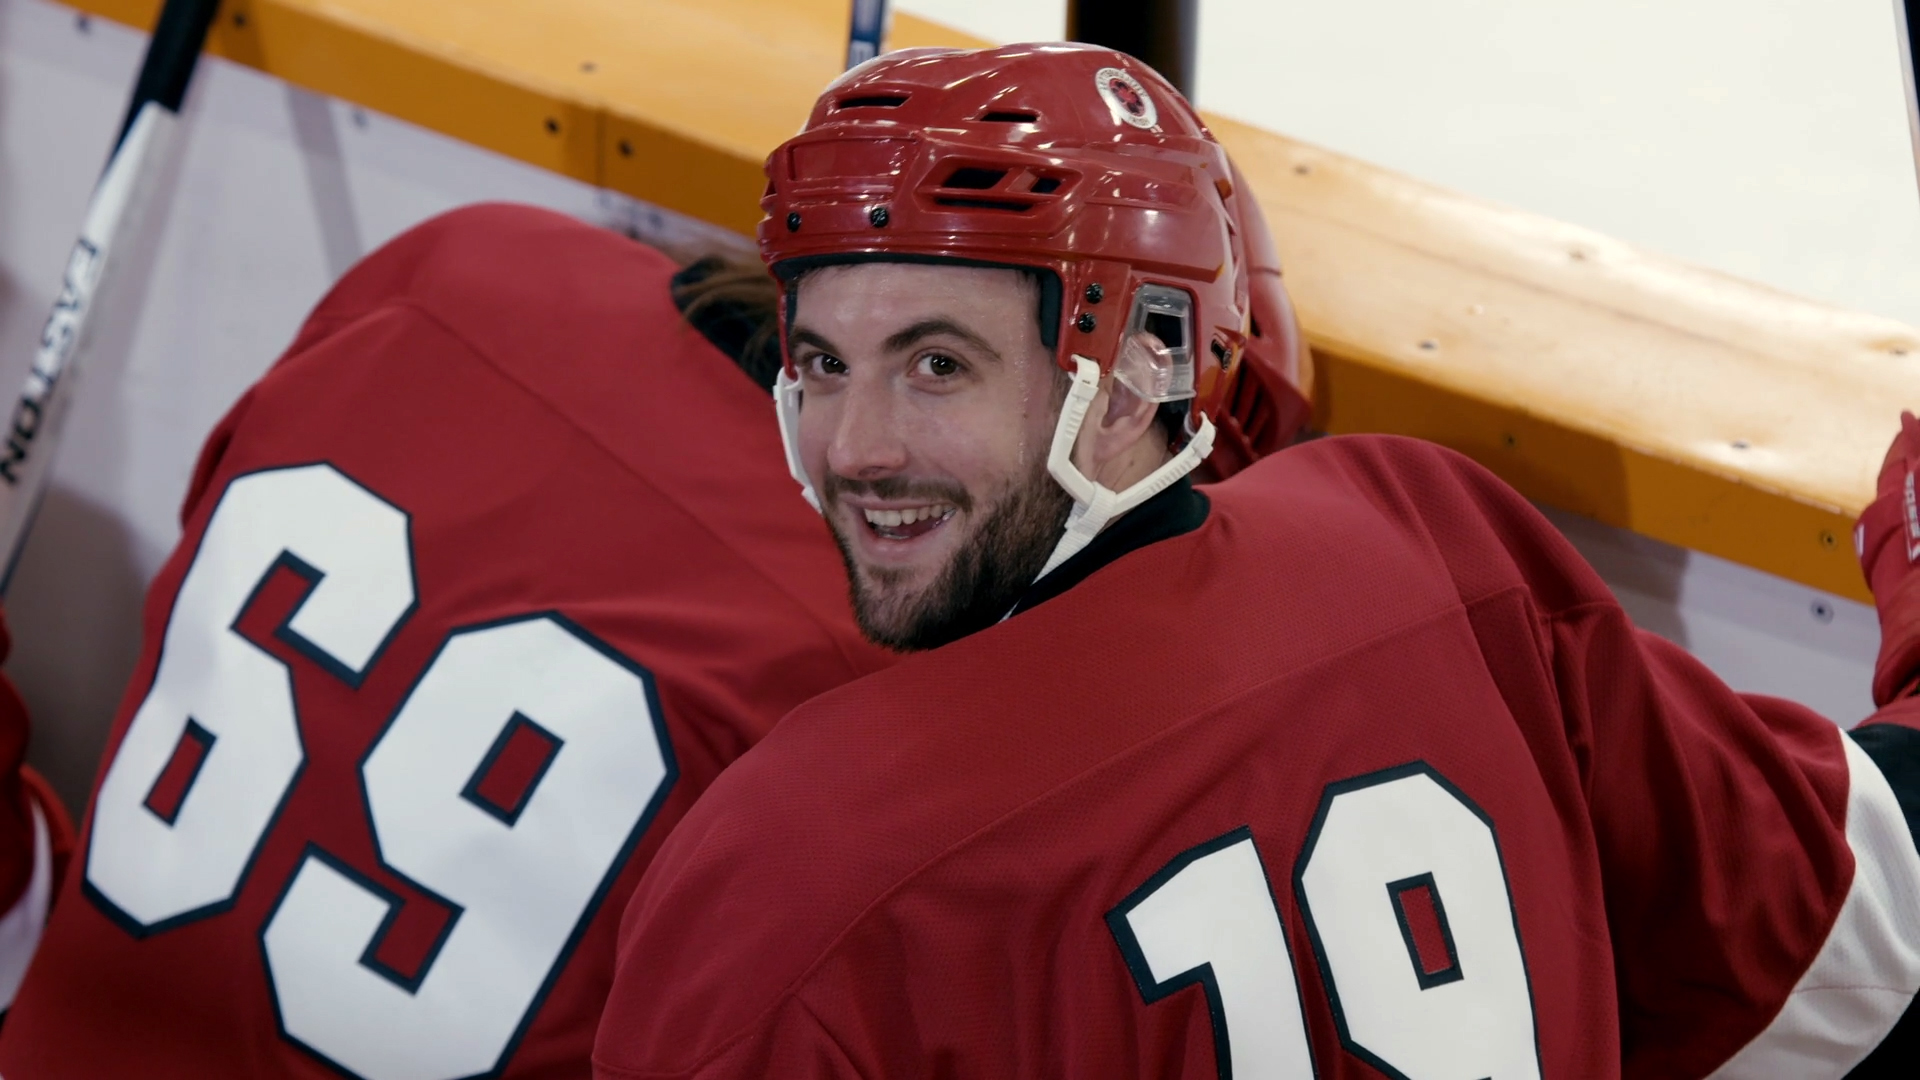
[1178, 510]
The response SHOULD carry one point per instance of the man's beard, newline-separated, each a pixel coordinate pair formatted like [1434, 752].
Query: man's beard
[984, 579]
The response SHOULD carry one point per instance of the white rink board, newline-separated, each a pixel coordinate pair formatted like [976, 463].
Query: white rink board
[278, 191]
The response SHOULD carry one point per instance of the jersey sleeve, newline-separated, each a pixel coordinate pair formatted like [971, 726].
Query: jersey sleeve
[1761, 883]
[36, 837]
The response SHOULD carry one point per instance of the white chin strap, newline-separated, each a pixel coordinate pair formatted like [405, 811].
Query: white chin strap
[786, 405]
[1093, 505]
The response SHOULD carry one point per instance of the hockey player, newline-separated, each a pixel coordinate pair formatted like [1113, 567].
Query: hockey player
[480, 586]
[1346, 766]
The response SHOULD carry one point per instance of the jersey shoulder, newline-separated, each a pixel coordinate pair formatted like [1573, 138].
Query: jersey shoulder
[487, 265]
[581, 317]
[1446, 514]
[576, 329]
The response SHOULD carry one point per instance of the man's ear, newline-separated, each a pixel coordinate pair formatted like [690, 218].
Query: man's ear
[1119, 443]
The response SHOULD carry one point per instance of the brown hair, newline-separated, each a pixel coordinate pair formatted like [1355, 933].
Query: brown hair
[735, 303]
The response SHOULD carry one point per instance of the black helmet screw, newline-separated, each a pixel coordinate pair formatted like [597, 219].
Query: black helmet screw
[1095, 293]
[793, 221]
[1086, 322]
[878, 215]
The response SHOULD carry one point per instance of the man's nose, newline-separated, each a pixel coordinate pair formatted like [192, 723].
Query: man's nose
[867, 439]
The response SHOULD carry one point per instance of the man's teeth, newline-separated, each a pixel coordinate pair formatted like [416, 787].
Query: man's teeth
[893, 519]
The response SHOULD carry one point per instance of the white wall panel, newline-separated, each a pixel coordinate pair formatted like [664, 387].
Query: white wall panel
[1762, 634]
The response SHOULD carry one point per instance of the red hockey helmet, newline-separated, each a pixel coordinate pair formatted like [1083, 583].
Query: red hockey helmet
[1062, 157]
[1066, 158]
[1268, 401]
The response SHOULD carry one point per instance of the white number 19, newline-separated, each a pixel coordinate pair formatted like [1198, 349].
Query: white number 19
[1406, 903]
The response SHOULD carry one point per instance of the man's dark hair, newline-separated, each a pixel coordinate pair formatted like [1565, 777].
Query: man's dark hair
[733, 303]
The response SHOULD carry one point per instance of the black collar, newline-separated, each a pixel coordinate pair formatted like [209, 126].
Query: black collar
[1178, 510]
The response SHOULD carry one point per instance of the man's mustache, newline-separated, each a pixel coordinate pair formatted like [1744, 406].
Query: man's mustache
[833, 486]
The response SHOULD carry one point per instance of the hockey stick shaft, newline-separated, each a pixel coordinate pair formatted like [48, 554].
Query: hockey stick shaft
[34, 429]
[1906, 17]
[868, 32]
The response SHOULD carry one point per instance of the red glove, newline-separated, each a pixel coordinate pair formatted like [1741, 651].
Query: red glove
[1888, 541]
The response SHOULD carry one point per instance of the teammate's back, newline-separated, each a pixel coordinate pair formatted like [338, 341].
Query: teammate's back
[480, 586]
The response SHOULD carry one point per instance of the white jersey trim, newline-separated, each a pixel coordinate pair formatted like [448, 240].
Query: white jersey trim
[1868, 970]
[20, 927]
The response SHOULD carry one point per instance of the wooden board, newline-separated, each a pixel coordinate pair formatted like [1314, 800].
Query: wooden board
[1691, 407]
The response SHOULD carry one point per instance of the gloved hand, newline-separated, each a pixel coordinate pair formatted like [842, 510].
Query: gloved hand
[1888, 542]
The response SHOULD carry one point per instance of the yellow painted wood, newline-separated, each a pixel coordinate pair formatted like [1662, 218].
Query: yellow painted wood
[1694, 408]
[1684, 404]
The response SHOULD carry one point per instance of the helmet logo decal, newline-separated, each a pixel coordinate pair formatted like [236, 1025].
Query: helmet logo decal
[1126, 98]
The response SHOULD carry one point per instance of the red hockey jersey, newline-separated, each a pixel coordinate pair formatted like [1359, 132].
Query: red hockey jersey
[1366, 776]
[480, 587]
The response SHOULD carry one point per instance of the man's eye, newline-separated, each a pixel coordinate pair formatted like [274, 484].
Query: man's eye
[827, 365]
[943, 366]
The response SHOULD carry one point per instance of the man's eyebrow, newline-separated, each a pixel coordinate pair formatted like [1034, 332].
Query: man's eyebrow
[927, 328]
[808, 337]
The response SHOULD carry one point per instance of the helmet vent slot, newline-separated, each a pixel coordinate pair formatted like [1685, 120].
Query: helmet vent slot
[1046, 185]
[972, 179]
[1015, 205]
[1010, 116]
[871, 101]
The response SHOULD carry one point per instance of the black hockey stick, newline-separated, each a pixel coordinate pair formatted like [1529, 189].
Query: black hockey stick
[145, 137]
[1906, 15]
[868, 31]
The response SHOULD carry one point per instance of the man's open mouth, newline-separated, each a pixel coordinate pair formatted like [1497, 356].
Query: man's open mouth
[908, 522]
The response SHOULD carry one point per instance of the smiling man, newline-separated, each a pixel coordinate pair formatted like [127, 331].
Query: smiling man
[1344, 767]
[931, 446]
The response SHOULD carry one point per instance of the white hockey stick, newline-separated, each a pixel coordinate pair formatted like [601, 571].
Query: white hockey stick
[145, 137]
